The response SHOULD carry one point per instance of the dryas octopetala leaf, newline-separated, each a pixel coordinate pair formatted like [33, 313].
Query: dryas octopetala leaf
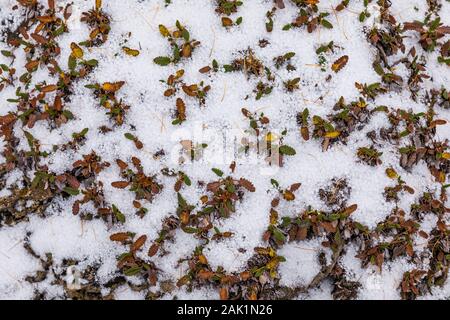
[332, 134]
[339, 63]
[131, 52]
[391, 173]
[247, 185]
[77, 52]
[112, 86]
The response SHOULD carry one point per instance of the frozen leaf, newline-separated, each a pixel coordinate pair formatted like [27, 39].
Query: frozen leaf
[332, 134]
[120, 236]
[391, 173]
[49, 88]
[164, 31]
[71, 191]
[247, 184]
[162, 61]
[217, 171]
[112, 86]
[138, 243]
[287, 150]
[130, 52]
[120, 184]
[77, 52]
[339, 63]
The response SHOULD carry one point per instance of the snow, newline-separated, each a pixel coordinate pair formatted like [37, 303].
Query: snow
[67, 236]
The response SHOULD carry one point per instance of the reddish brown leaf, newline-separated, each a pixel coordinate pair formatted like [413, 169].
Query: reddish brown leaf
[49, 88]
[120, 237]
[349, 210]
[224, 293]
[205, 69]
[138, 243]
[120, 184]
[247, 185]
[339, 63]
[122, 165]
[153, 249]
[294, 187]
[38, 38]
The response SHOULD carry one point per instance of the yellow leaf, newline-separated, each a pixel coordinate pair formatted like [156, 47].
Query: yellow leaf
[361, 103]
[94, 33]
[391, 173]
[202, 259]
[164, 31]
[77, 52]
[339, 63]
[98, 4]
[177, 34]
[273, 217]
[179, 73]
[272, 252]
[288, 195]
[131, 52]
[273, 264]
[263, 251]
[273, 274]
[332, 134]
[446, 155]
[270, 137]
[112, 86]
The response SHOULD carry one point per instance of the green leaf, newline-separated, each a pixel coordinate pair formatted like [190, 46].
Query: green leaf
[59, 31]
[30, 139]
[230, 187]
[190, 230]
[72, 63]
[71, 191]
[91, 63]
[274, 183]
[326, 24]
[434, 24]
[119, 215]
[129, 136]
[217, 171]
[337, 237]
[7, 53]
[186, 180]
[362, 16]
[279, 236]
[208, 210]
[228, 68]
[92, 86]
[181, 201]
[239, 20]
[186, 35]
[289, 55]
[215, 65]
[68, 114]
[287, 150]
[80, 134]
[132, 271]
[162, 61]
